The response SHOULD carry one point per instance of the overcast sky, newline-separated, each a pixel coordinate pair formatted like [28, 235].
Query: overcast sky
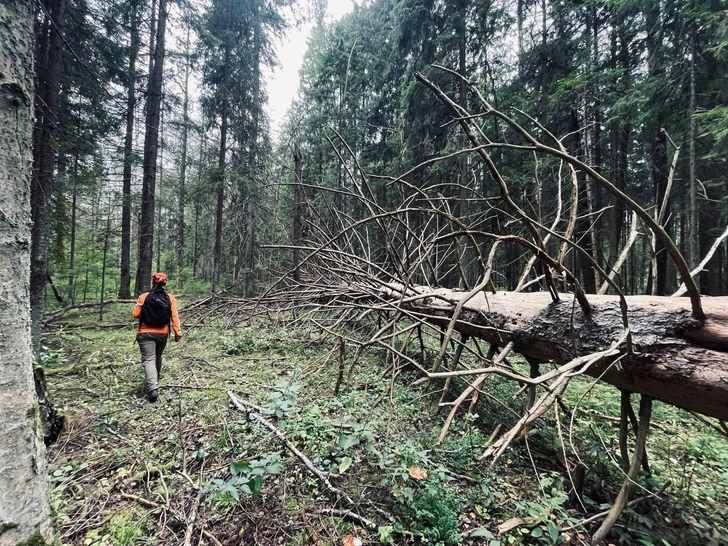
[283, 83]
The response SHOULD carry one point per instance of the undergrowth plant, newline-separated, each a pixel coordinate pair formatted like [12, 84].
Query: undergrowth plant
[377, 440]
[247, 478]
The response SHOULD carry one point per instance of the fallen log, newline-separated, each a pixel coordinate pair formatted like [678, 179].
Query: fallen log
[675, 358]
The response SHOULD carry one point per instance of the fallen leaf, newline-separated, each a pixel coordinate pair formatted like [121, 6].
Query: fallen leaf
[417, 473]
[344, 465]
[351, 540]
[509, 524]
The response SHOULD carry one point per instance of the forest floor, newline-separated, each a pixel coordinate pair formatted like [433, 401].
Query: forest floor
[194, 469]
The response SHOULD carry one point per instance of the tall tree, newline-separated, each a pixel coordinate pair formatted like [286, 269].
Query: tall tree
[236, 42]
[183, 162]
[655, 132]
[50, 64]
[25, 512]
[151, 147]
[132, 15]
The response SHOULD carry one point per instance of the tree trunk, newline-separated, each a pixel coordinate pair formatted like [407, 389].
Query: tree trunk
[72, 251]
[125, 267]
[619, 130]
[693, 257]
[44, 158]
[183, 168]
[584, 268]
[151, 144]
[217, 254]
[251, 202]
[25, 512]
[159, 233]
[297, 211]
[676, 359]
[42, 182]
[658, 138]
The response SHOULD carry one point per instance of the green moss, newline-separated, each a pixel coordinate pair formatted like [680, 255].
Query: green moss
[33, 411]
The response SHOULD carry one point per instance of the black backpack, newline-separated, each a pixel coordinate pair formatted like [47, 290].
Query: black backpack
[157, 309]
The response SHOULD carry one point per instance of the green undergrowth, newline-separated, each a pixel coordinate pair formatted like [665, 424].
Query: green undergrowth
[130, 472]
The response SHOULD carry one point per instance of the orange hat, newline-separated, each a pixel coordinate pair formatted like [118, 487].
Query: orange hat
[159, 276]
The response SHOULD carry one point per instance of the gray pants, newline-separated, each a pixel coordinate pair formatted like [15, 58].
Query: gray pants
[152, 346]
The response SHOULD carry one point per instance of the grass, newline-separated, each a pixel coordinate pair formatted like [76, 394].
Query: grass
[130, 472]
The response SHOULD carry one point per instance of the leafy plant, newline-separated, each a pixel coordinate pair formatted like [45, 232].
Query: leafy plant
[51, 358]
[431, 511]
[247, 478]
[283, 398]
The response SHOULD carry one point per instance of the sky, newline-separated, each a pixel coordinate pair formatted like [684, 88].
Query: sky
[283, 83]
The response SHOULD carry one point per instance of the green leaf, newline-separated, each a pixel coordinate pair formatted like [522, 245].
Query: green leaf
[345, 464]
[256, 485]
[238, 467]
[232, 491]
[482, 532]
[408, 494]
[553, 531]
[346, 441]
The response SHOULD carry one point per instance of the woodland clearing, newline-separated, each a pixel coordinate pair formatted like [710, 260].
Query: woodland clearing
[195, 469]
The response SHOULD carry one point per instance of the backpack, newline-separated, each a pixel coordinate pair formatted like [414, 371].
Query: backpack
[157, 309]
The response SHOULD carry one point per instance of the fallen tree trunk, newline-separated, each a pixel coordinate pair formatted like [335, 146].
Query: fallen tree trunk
[675, 358]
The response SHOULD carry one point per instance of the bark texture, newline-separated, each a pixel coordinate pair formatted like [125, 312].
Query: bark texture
[676, 358]
[24, 501]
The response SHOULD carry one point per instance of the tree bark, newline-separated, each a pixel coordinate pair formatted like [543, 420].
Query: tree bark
[151, 146]
[25, 511]
[676, 359]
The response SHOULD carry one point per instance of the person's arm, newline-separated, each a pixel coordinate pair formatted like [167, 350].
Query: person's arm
[137, 312]
[175, 319]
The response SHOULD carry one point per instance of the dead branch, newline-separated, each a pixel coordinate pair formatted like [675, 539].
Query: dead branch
[622, 256]
[680, 291]
[351, 516]
[245, 408]
[628, 485]
[58, 313]
[633, 502]
[532, 144]
[473, 387]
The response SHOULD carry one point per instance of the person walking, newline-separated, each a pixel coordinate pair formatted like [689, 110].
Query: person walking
[155, 310]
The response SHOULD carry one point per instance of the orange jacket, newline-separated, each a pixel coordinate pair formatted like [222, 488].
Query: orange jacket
[143, 328]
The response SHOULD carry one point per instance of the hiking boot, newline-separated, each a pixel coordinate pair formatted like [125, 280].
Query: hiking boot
[153, 395]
